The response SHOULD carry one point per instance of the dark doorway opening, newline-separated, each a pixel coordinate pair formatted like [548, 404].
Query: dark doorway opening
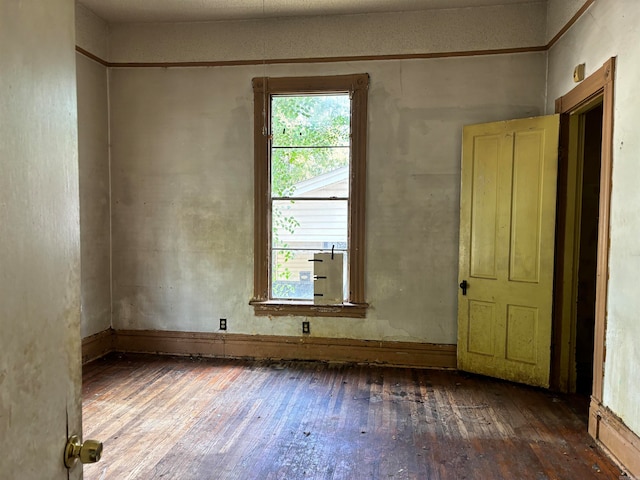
[591, 143]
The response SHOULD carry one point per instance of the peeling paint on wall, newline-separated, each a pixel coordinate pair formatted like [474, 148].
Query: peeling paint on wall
[182, 157]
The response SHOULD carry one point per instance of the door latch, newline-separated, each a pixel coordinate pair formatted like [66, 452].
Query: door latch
[87, 452]
[464, 285]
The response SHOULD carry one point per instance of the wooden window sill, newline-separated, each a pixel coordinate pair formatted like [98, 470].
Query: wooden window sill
[281, 308]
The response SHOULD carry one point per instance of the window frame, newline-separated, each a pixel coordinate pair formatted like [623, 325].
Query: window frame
[356, 85]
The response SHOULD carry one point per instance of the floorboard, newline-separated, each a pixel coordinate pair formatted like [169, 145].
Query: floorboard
[199, 419]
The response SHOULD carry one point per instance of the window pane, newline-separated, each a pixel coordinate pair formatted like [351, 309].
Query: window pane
[313, 224]
[292, 275]
[310, 120]
[310, 172]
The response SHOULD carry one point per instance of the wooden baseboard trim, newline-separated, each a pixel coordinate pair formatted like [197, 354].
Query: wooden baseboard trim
[615, 438]
[98, 345]
[405, 354]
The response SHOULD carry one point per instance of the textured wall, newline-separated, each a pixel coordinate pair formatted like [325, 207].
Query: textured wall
[559, 12]
[182, 158]
[445, 30]
[611, 28]
[95, 215]
[92, 33]
[40, 241]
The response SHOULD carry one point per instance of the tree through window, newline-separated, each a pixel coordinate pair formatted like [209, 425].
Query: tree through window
[310, 146]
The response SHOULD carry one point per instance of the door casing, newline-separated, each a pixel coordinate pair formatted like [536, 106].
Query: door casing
[597, 87]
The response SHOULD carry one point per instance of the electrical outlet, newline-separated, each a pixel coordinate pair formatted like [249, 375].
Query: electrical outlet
[306, 327]
[223, 324]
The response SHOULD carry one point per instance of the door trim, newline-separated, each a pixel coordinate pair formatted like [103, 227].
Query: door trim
[600, 83]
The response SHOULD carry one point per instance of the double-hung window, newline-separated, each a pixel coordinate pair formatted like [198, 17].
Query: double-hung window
[310, 170]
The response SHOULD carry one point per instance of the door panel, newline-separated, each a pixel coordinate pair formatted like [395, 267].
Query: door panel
[522, 328]
[507, 227]
[481, 337]
[485, 202]
[528, 161]
[40, 370]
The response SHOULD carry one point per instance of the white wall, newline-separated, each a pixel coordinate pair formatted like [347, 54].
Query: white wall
[182, 176]
[445, 30]
[40, 243]
[612, 28]
[95, 214]
[184, 261]
[559, 13]
[182, 160]
[92, 34]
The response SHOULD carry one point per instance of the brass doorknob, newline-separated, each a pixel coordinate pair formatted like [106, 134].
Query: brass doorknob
[87, 452]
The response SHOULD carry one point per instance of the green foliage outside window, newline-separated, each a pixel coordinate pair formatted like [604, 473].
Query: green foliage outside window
[301, 122]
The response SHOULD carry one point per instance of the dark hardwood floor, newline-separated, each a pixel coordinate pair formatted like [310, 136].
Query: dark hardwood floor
[200, 419]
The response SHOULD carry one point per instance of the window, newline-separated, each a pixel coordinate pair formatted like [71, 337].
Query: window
[310, 152]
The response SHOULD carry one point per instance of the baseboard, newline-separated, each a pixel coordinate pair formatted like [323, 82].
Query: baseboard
[97, 345]
[615, 438]
[406, 354]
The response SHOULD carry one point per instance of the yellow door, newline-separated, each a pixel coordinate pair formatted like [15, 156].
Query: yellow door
[507, 232]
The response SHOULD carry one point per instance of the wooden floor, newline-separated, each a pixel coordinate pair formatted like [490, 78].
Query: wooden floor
[180, 418]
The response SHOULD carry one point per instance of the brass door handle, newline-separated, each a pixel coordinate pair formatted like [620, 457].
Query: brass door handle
[87, 452]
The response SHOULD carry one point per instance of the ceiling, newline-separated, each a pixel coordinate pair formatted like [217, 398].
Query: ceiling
[127, 11]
